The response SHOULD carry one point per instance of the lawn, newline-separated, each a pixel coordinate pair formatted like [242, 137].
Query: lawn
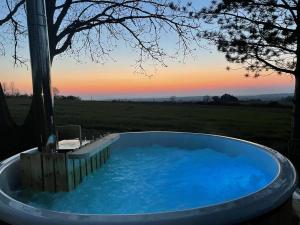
[266, 125]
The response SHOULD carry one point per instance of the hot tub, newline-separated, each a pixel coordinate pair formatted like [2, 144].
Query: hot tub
[161, 178]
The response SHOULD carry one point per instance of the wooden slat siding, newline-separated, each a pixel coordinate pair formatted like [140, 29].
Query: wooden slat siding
[70, 172]
[97, 162]
[88, 166]
[36, 172]
[61, 176]
[77, 177]
[64, 171]
[25, 170]
[91, 161]
[48, 172]
[105, 155]
[82, 169]
[94, 162]
[102, 158]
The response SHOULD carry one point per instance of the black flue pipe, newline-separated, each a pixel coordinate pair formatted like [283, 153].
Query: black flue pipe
[42, 102]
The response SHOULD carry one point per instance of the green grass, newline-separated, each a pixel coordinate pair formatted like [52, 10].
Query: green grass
[268, 126]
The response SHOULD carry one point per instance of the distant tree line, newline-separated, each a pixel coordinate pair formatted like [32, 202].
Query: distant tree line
[57, 96]
[10, 91]
[224, 99]
[227, 99]
[68, 97]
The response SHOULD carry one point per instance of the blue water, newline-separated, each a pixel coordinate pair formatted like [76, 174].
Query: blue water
[155, 179]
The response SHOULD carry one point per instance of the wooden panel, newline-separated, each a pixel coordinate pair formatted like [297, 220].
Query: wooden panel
[88, 166]
[60, 172]
[94, 163]
[102, 157]
[98, 160]
[105, 154]
[36, 172]
[25, 170]
[82, 169]
[48, 171]
[70, 172]
[76, 172]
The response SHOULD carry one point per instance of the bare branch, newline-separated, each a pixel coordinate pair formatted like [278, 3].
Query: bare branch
[11, 13]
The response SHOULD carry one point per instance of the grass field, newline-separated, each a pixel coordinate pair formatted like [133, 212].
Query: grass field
[265, 125]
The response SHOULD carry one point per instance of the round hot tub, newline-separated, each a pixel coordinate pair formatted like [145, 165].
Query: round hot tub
[160, 178]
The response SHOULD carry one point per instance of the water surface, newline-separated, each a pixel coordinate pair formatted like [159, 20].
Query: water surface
[156, 179]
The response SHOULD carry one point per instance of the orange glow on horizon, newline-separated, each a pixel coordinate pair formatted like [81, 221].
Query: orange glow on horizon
[179, 80]
[160, 83]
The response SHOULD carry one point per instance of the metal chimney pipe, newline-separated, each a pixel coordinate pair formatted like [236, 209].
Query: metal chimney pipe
[42, 102]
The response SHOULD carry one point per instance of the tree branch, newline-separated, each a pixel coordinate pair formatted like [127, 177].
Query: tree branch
[11, 12]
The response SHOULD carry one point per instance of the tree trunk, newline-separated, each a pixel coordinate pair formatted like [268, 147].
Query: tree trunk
[296, 112]
[294, 145]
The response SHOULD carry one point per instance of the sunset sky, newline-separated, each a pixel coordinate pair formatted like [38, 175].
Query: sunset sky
[203, 73]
